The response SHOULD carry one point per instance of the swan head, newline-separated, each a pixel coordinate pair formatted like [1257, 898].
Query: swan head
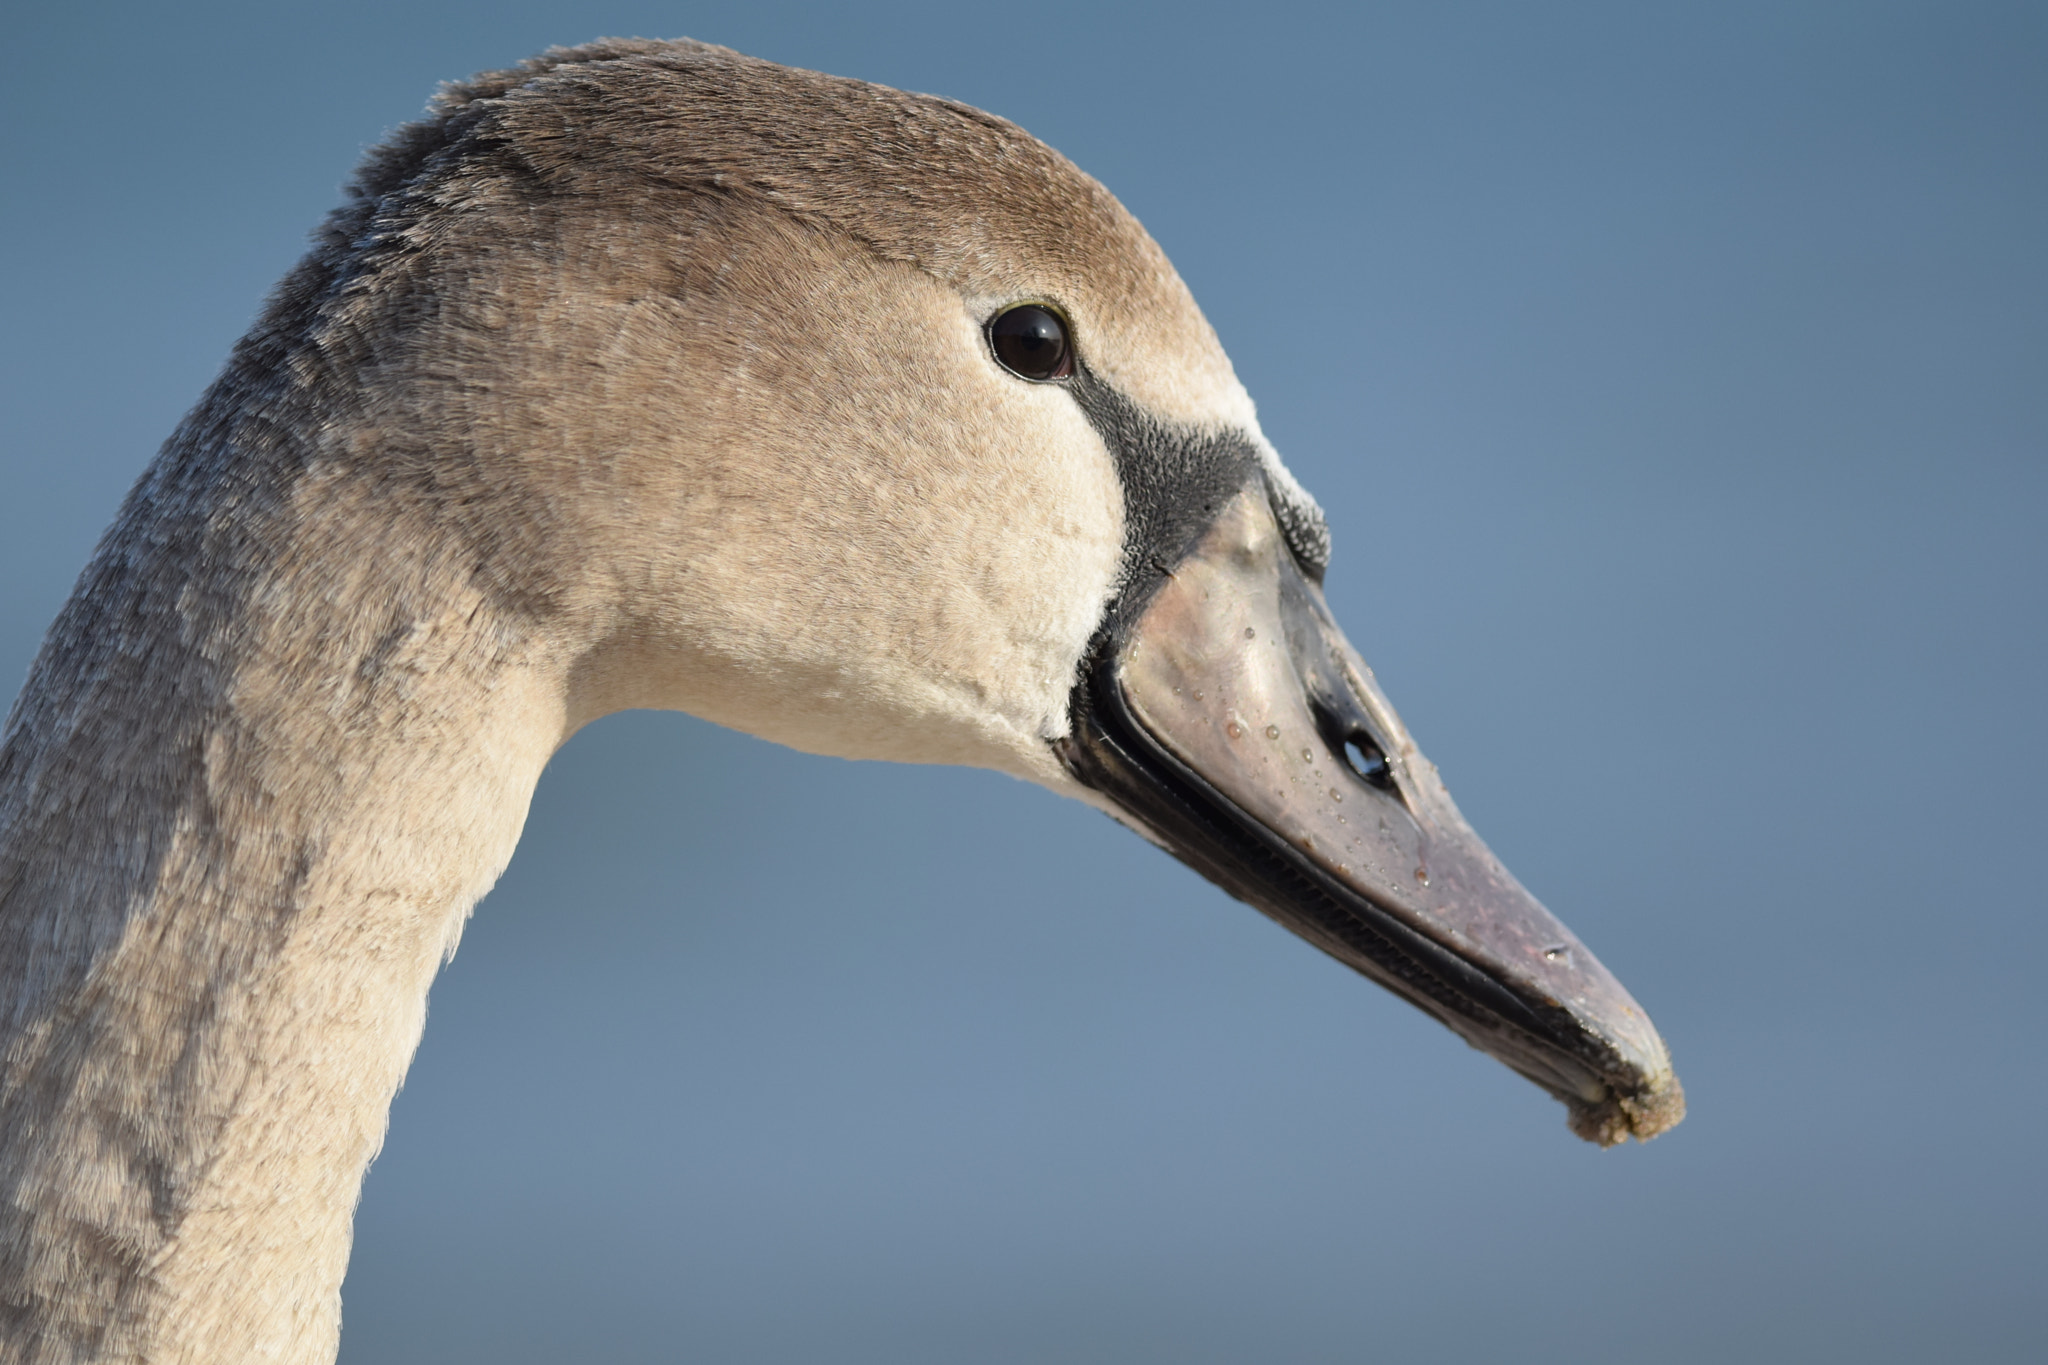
[866, 423]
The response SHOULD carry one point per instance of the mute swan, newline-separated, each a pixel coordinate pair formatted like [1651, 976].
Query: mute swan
[649, 375]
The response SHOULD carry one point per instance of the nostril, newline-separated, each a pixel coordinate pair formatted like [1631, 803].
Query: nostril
[1366, 760]
[1347, 734]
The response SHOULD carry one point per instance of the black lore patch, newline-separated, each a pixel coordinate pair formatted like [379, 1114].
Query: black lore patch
[1175, 481]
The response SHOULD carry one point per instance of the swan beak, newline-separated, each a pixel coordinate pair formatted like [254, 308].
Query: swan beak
[1224, 711]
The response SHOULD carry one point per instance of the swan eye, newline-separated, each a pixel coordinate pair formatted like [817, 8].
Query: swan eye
[1031, 341]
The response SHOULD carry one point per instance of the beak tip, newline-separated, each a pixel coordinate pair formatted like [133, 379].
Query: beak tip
[1655, 1108]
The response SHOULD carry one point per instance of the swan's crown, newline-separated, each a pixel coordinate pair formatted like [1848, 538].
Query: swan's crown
[969, 198]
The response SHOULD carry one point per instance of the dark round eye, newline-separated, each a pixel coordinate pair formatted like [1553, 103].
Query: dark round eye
[1031, 341]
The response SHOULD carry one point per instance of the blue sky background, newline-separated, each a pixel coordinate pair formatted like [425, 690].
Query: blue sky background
[1676, 379]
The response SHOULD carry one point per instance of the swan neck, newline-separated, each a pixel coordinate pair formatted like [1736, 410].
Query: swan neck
[246, 802]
